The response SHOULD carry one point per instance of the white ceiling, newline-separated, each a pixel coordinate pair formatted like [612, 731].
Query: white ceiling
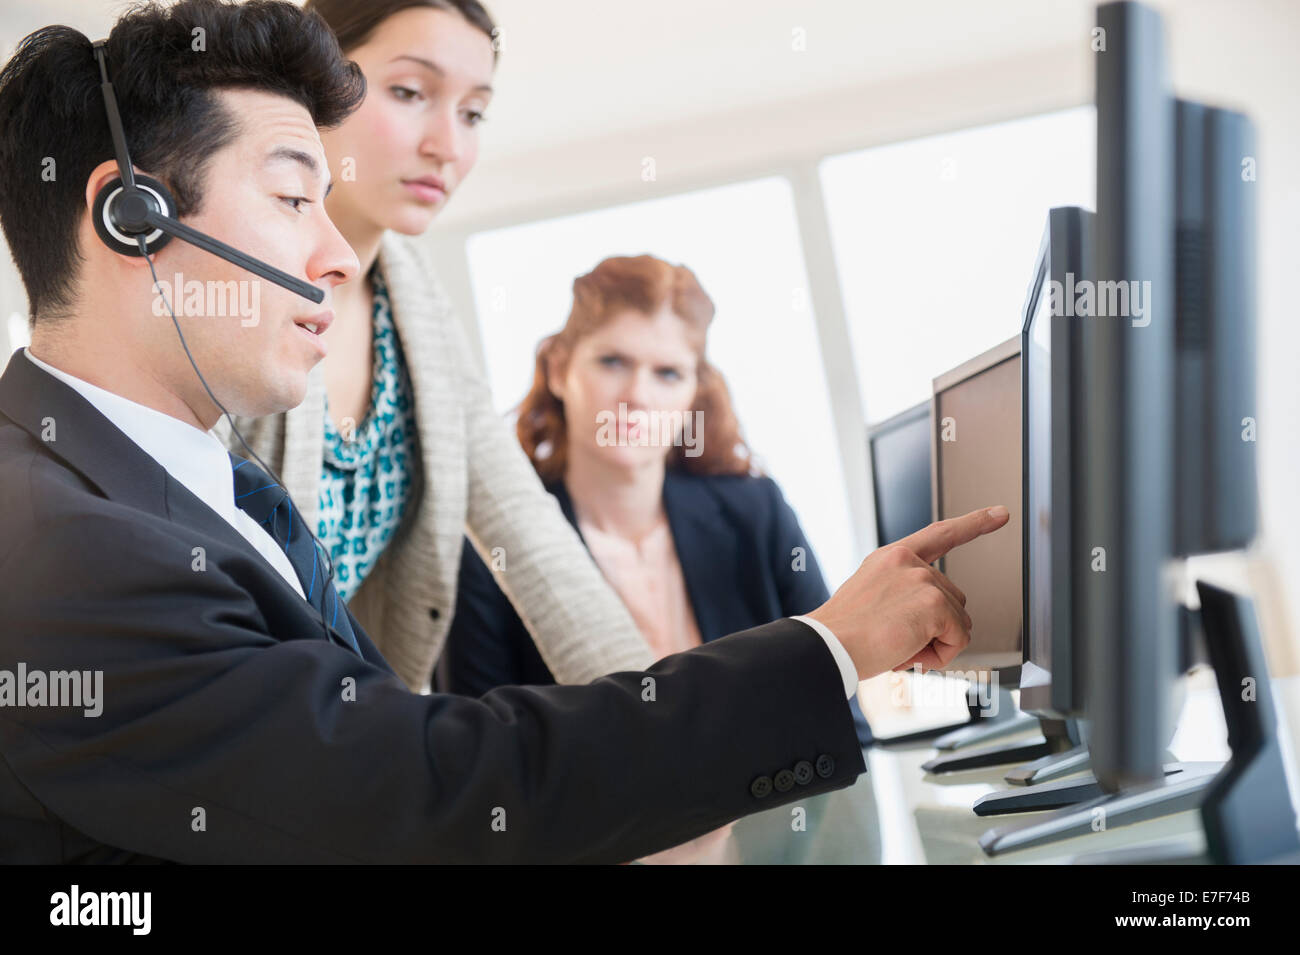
[577, 69]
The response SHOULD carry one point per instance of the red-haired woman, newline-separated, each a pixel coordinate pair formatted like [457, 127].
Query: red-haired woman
[633, 431]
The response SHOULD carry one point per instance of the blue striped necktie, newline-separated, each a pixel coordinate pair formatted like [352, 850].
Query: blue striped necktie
[268, 503]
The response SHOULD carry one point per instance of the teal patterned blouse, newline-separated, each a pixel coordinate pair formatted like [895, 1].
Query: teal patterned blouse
[365, 481]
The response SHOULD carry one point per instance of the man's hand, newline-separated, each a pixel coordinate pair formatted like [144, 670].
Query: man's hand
[896, 610]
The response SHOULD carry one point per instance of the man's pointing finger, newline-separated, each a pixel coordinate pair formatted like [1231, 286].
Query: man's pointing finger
[932, 542]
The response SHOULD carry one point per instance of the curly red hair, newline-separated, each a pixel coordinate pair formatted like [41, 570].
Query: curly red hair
[646, 284]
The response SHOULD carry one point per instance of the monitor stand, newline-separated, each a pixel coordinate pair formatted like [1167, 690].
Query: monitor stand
[1247, 813]
[1073, 760]
[1244, 804]
[1041, 793]
[1182, 788]
[1058, 737]
[1057, 795]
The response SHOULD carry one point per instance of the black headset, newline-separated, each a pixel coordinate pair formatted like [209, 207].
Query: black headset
[136, 215]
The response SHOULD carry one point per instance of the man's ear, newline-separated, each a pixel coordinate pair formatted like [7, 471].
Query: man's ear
[100, 177]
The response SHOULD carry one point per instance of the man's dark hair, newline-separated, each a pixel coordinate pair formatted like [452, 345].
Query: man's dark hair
[54, 130]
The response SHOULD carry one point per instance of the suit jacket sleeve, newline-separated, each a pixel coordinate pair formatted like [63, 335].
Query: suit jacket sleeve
[579, 624]
[291, 749]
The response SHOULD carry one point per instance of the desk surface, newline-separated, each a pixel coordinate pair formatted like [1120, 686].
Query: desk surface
[898, 814]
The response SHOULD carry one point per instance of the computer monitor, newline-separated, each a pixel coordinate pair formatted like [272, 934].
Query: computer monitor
[1051, 677]
[901, 468]
[900, 473]
[1172, 455]
[1217, 503]
[1128, 613]
[1167, 402]
[1047, 385]
[976, 458]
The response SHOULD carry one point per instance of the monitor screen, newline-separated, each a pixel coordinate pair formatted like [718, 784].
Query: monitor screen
[1051, 681]
[900, 474]
[977, 447]
[1038, 484]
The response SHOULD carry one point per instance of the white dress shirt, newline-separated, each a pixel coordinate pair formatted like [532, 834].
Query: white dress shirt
[195, 458]
[848, 671]
[200, 462]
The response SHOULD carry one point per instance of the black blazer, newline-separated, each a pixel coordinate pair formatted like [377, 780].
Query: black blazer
[736, 538]
[233, 731]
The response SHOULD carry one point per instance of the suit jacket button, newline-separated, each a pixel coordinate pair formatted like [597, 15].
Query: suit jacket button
[803, 772]
[760, 787]
[784, 781]
[434, 613]
[825, 766]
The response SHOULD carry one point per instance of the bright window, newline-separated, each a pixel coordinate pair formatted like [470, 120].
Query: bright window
[742, 243]
[935, 241]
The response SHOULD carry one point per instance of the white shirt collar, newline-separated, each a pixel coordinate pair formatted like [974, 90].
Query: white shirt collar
[195, 458]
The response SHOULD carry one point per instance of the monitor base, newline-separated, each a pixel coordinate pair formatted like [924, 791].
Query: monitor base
[921, 736]
[1059, 736]
[1050, 767]
[1065, 792]
[1183, 788]
[988, 756]
[1057, 795]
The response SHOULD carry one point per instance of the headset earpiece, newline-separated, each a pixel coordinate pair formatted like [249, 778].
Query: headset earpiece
[119, 216]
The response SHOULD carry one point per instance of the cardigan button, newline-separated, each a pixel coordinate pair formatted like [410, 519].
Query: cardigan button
[434, 614]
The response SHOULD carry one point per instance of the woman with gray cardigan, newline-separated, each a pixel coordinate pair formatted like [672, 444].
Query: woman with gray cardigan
[397, 453]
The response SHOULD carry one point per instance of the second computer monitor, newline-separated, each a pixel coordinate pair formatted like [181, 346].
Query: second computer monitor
[1051, 680]
[976, 451]
[900, 473]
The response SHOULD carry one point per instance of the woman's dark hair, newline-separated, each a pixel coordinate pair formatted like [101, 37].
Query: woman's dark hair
[354, 21]
[644, 284]
[164, 61]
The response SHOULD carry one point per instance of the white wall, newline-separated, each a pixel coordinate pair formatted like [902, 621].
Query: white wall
[12, 301]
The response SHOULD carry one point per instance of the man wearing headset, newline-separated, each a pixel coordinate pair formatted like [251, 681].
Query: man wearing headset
[240, 716]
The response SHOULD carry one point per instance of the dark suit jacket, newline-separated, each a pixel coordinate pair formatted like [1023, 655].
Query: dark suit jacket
[227, 736]
[735, 537]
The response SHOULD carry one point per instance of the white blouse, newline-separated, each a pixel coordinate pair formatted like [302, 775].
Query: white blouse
[647, 575]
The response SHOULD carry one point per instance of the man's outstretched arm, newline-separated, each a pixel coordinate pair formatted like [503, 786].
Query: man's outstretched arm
[218, 742]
